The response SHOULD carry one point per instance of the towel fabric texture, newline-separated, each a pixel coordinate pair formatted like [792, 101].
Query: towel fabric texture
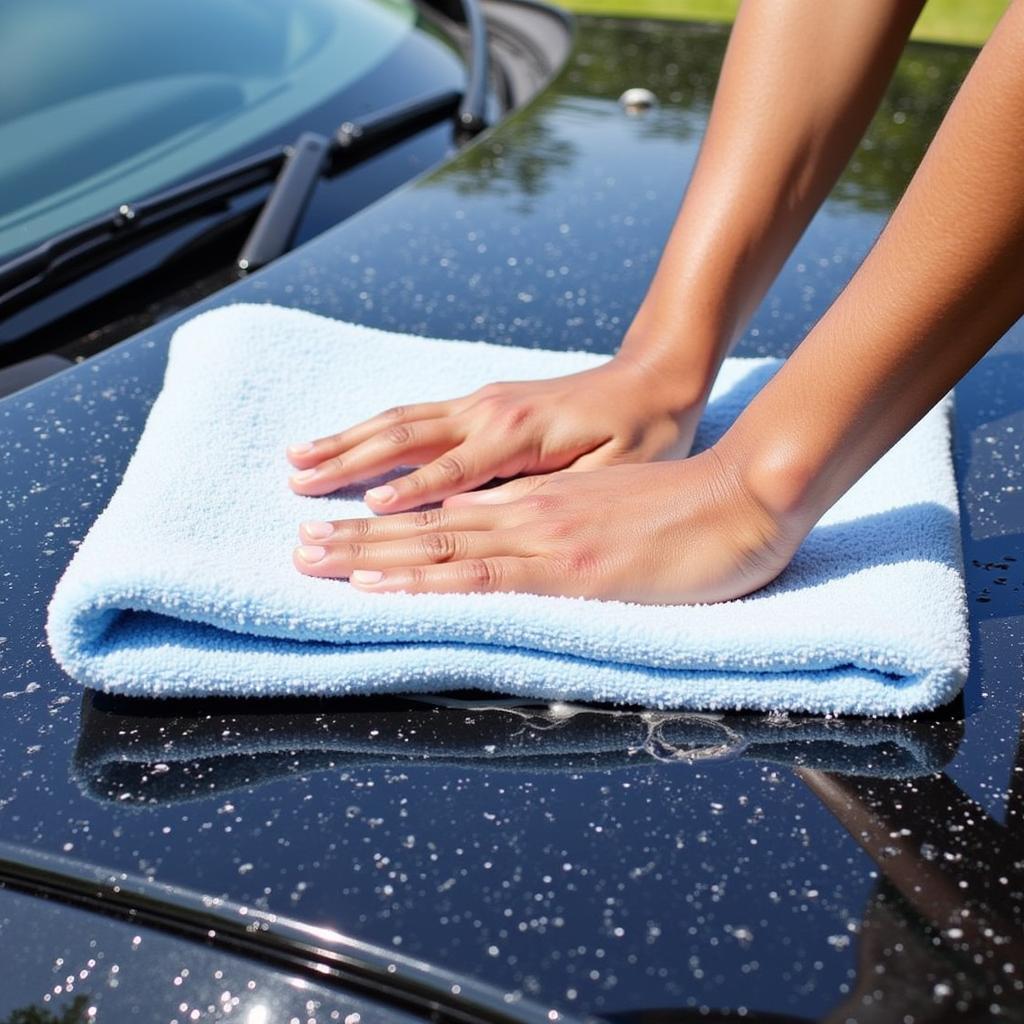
[184, 586]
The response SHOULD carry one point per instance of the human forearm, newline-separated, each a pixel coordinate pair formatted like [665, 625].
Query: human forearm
[942, 285]
[799, 84]
[800, 81]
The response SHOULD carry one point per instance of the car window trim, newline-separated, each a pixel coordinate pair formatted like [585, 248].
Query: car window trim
[323, 954]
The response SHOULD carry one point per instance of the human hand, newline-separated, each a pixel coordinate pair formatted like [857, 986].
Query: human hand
[615, 413]
[683, 532]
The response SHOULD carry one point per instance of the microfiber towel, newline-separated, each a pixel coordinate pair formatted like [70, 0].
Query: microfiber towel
[184, 586]
[145, 753]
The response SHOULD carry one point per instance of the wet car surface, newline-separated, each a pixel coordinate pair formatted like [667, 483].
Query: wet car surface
[647, 867]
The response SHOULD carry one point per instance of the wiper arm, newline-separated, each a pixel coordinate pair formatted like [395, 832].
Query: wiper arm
[472, 110]
[313, 156]
[275, 227]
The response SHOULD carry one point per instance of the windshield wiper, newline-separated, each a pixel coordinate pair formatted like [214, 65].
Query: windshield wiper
[314, 156]
[294, 170]
[272, 234]
[73, 254]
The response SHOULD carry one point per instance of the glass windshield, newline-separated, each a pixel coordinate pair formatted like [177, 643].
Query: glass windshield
[109, 101]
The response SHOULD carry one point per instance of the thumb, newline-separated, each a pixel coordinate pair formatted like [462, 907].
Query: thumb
[511, 491]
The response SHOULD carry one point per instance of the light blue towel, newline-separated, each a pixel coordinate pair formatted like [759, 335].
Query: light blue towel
[184, 586]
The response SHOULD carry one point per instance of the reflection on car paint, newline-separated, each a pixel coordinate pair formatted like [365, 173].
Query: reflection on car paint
[144, 752]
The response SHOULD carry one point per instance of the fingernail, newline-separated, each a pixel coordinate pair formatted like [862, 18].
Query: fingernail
[304, 477]
[381, 495]
[366, 576]
[301, 448]
[310, 554]
[317, 530]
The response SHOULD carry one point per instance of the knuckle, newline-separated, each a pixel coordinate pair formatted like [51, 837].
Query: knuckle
[352, 552]
[357, 528]
[487, 406]
[417, 577]
[451, 468]
[577, 560]
[560, 528]
[428, 519]
[396, 413]
[540, 504]
[515, 416]
[398, 434]
[483, 574]
[440, 547]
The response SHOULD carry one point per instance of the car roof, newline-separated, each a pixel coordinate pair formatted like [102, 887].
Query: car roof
[599, 863]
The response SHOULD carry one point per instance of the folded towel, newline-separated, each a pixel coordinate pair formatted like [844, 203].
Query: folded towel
[184, 585]
[148, 753]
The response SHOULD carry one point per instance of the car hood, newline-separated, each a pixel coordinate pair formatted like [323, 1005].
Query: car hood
[598, 862]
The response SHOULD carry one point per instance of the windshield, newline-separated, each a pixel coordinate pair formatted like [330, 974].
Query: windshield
[109, 101]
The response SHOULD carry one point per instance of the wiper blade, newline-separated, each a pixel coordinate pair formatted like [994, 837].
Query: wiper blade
[74, 253]
[294, 169]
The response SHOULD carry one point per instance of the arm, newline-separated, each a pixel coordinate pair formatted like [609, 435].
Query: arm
[942, 284]
[798, 87]
[800, 81]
